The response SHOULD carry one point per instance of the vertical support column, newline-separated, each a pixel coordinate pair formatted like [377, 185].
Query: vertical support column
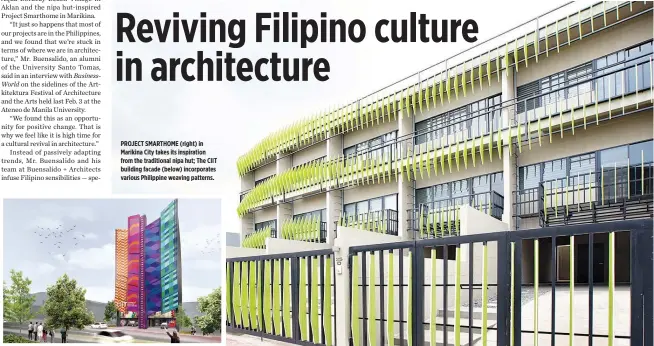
[342, 286]
[247, 221]
[405, 189]
[509, 162]
[284, 209]
[334, 198]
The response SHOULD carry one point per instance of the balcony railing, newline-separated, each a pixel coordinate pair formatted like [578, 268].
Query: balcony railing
[441, 218]
[537, 37]
[257, 239]
[613, 193]
[380, 221]
[574, 113]
[304, 229]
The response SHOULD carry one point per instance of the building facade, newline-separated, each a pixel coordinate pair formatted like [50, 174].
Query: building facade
[148, 269]
[549, 124]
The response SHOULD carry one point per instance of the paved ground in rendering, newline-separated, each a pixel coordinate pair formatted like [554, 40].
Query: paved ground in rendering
[151, 335]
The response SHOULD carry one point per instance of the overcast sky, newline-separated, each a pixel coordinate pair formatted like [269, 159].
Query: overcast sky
[231, 117]
[92, 261]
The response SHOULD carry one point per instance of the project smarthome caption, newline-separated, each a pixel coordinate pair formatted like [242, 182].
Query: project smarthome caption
[148, 269]
[503, 196]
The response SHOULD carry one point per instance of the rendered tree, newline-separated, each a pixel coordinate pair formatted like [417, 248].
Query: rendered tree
[109, 311]
[66, 305]
[182, 318]
[18, 300]
[210, 307]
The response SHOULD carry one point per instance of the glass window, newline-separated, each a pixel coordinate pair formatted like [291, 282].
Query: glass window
[390, 202]
[424, 196]
[350, 209]
[640, 151]
[530, 176]
[473, 118]
[312, 215]
[362, 207]
[262, 180]
[375, 204]
[614, 156]
[262, 225]
[555, 170]
[377, 147]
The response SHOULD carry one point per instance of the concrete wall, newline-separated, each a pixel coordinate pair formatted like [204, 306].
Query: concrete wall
[236, 252]
[311, 153]
[607, 134]
[602, 43]
[356, 137]
[265, 171]
[494, 89]
[277, 246]
[308, 204]
[364, 192]
[266, 214]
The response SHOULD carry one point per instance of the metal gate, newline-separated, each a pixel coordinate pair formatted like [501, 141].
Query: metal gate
[288, 297]
[508, 288]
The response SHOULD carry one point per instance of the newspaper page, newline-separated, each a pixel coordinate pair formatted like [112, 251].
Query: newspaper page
[328, 173]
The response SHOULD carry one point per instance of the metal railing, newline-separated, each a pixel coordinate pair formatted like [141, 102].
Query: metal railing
[288, 297]
[473, 289]
[530, 40]
[380, 221]
[304, 229]
[441, 218]
[613, 193]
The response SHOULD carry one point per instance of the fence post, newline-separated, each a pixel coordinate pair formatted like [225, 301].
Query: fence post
[418, 302]
[342, 288]
[295, 294]
[503, 290]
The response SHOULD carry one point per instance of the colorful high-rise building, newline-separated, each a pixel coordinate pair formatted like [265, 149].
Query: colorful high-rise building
[148, 266]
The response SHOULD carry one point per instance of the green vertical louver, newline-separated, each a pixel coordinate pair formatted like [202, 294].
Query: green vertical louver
[390, 301]
[354, 308]
[315, 296]
[327, 302]
[236, 288]
[372, 303]
[267, 313]
[277, 288]
[302, 308]
[244, 295]
[252, 285]
[288, 326]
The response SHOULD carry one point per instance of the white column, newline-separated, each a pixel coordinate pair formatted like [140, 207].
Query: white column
[509, 161]
[284, 210]
[405, 191]
[334, 197]
[247, 221]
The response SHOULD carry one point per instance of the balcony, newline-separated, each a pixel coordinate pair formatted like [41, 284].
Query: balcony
[441, 218]
[610, 194]
[380, 221]
[304, 229]
[566, 108]
[257, 239]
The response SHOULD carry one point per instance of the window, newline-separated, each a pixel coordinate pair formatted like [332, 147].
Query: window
[312, 215]
[320, 159]
[378, 147]
[371, 205]
[262, 225]
[477, 118]
[580, 86]
[262, 180]
[471, 191]
[631, 163]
